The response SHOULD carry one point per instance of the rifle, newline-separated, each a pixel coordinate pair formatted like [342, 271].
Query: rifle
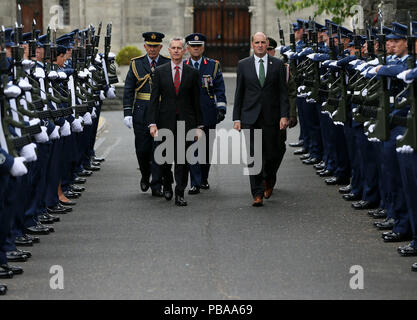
[281, 34]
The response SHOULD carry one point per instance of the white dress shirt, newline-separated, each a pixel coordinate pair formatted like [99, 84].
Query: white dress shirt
[265, 62]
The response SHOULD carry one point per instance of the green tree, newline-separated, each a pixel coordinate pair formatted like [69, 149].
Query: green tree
[127, 53]
[338, 9]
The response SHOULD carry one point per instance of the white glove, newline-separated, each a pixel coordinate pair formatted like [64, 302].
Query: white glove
[110, 94]
[54, 134]
[42, 137]
[53, 75]
[65, 130]
[87, 119]
[102, 96]
[94, 114]
[28, 152]
[34, 121]
[403, 74]
[18, 169]
[76, 125]
[128, 122]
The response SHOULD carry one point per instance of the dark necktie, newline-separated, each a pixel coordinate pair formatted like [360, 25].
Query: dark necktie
[196, 65]
[153, 64]
[177, 80]
[261, 72]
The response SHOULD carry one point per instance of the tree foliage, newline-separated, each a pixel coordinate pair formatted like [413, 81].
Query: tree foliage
[338, 9]
[127, 53]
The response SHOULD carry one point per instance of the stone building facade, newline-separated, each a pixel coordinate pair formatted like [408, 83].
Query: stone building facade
[130, 18]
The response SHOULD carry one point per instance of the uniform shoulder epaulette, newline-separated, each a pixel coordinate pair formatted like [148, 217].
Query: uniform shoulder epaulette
[138, 57]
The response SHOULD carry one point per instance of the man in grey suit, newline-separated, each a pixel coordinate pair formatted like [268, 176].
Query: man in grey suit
[261, 102]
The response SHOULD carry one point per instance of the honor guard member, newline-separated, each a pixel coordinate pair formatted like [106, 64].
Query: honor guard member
[212, 100]
[137, 93]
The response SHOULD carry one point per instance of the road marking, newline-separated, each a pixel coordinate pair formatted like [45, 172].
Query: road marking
[110, 148]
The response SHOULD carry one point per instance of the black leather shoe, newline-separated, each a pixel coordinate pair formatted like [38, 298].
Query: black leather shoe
[305, 156]
[67, 209]
[15, 270]
[414, 267]
[179, 201]
[379, 214]
[320, 166]
[300, 151]
[42, 218]
[345, 189]
[23, 242]
[16, 256]
[390, 236]
[311, 161]
[98, 159]
[157, 193]
[168, 194]
[351, 197]
[387, 224]
[296, 144]
[37, 230]
[84, 173]
[67, 203]
[194, 190]
[407, 251]
[54, 218]
[325, 173]
[32, 238]
[75, 188]
[79, 180]
[5, 274]
[205, 186]
[24, 252]
[3, 289]
[144, 185]
[362, 205]
[336, 181]
[92, 168]
[71, 194]
[56, 210]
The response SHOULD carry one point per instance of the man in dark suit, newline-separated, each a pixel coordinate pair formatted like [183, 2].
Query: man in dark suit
[136, 97]
[261, 102]
[175, 97]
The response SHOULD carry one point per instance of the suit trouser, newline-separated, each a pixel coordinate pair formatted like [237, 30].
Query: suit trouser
[162, 173]
[271, 153]
[300, 102]
[143, 147]
[408, 168]
[199, 172]
[5, 217]
[396, 203]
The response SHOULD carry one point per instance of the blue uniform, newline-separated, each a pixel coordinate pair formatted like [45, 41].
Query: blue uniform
[212, 99]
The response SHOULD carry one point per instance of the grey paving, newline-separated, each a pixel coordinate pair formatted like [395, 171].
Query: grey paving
[120, 243]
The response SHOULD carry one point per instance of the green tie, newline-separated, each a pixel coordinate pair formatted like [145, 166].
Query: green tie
[261, 72]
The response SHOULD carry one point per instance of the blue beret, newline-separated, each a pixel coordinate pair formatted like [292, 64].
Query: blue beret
[196, 38]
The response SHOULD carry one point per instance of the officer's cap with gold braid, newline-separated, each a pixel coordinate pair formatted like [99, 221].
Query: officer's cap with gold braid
[153, 38]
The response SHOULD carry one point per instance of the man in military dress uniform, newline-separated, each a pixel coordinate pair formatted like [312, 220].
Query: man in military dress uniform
[137, 93]
[212, 100]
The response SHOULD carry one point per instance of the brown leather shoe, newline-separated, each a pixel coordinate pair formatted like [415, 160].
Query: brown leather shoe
[268, 190]
[257, 201]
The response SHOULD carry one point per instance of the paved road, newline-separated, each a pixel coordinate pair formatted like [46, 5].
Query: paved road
[120, 243]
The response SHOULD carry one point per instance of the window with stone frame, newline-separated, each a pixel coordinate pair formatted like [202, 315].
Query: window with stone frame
[65, 4]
